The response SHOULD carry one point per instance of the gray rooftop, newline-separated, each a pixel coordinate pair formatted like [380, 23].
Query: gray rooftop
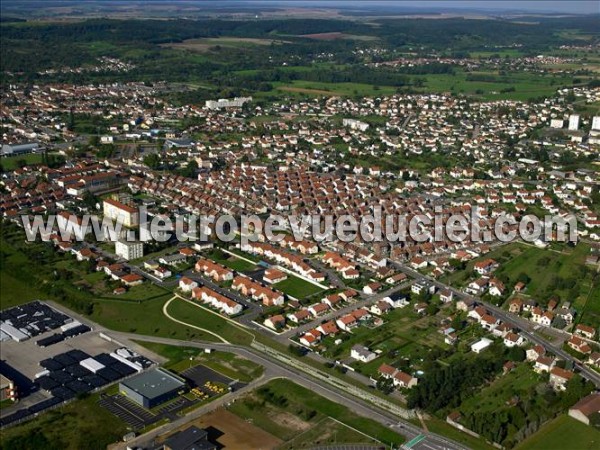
[154, 383]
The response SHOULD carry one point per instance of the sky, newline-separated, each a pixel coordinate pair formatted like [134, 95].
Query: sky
[564, 6]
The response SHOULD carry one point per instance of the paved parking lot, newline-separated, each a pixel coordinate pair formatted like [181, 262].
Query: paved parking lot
[197, 376]
[132, 414]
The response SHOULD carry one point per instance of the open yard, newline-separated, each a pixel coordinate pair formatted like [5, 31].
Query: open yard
[563, 433]
[142, 318]
[14, 162]
[230, 261]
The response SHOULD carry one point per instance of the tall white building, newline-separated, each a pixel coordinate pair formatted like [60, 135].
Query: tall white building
[355, 124]
[129, 250]
[573, 122]
[122, 213]
[237, 102]
[596, 123]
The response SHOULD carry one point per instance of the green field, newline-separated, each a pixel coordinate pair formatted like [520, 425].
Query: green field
[297, 287]
[200, 317]
[272, 406]
[143, 318]
[313, 88]
[543, 267]
[563, 433]
[525, 85]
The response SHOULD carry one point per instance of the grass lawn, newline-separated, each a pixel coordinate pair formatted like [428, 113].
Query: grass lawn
[526, 85]
[297, 287]
[562, 433]
[78, 425]
[186, 312]
[143, 318]
[287, 410]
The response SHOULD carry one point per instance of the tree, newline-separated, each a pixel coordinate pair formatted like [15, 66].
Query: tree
[385, 385]
[152, 161]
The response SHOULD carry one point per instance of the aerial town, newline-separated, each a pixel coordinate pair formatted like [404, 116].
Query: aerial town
[148, 331]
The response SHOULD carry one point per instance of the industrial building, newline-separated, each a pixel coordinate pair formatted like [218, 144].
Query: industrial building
[19, 149]
[152, 388]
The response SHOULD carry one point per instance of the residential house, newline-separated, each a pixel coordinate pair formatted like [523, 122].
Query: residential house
[543, 364]
[585, 408]
[328, 328]
[513, 339]
[318, 309]
[515, 306]
[586, 331]
[362, 354]
[559, 378]
[187, 284]
[579, 345]
[446, 296]
[276, 322]
[273, 276]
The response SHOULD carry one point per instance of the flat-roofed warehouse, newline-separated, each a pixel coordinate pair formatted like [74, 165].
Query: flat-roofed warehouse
[152, 388]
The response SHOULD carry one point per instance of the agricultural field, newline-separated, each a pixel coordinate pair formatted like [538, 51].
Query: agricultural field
[316, 88]
[207, 45]
[291, 412]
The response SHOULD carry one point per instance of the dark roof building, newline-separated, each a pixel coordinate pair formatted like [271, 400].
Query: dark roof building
[192, 438]
[152, 387]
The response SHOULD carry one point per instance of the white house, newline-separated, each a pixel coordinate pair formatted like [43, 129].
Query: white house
[362, 354]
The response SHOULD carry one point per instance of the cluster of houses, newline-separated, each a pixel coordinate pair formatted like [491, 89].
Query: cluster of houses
[257, 291]
[543, 316]
[216, 300]
[285, 258]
